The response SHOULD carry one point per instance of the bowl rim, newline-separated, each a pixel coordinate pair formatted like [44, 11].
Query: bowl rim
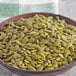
[2, 24]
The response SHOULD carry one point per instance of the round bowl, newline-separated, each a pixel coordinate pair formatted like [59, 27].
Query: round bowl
[21, 72]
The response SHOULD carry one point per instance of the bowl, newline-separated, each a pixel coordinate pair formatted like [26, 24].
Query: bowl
[21, 72]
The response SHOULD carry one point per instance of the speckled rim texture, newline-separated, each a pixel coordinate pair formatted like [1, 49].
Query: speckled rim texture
[14, 19]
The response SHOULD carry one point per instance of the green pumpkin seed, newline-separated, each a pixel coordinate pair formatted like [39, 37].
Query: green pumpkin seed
[38, 43]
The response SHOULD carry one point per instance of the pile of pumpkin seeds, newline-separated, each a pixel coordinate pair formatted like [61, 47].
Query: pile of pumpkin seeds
[38, 43]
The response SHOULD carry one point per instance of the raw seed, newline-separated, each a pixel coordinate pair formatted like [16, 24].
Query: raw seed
[38, 43]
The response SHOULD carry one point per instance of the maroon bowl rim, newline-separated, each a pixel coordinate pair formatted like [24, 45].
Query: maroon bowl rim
[2, 24]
